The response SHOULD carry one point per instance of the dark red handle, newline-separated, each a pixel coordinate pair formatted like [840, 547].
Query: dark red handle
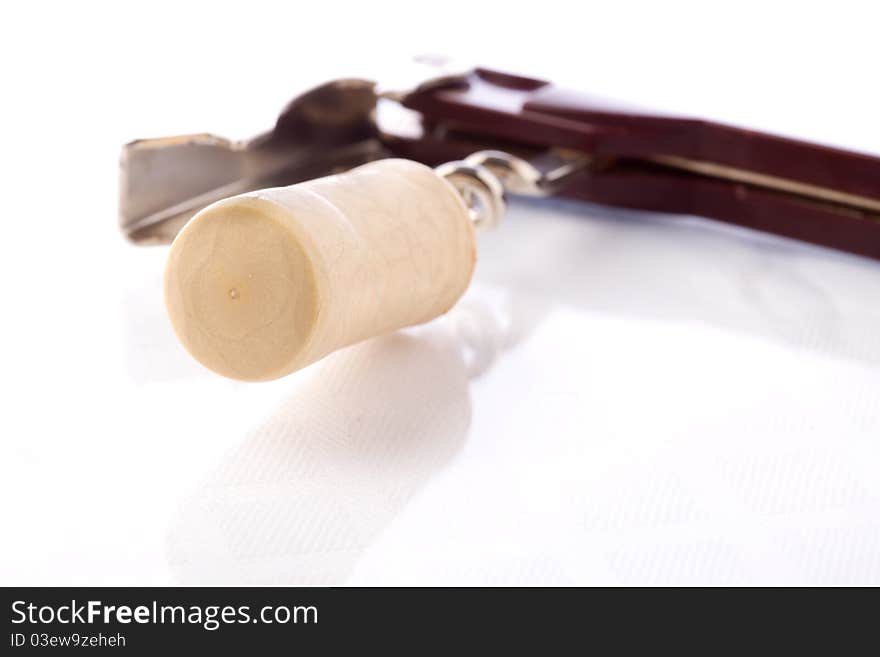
[651, 161]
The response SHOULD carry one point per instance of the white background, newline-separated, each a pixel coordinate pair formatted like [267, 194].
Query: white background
[661, 401]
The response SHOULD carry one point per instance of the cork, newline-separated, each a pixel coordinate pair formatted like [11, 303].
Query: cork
[260, 285]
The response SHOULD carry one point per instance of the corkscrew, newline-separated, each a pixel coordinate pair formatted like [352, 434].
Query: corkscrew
[282, 256]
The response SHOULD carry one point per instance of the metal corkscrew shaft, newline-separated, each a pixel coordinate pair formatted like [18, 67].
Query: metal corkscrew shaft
[483, 178]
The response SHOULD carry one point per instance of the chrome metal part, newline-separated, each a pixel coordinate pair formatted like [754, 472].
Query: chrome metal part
[163, 182]
[480, 189]
[484, 178]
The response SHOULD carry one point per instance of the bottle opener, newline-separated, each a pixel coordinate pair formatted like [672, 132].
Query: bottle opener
[279, 258]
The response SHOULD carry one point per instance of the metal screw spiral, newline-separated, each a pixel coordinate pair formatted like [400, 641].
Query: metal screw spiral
[482, 179]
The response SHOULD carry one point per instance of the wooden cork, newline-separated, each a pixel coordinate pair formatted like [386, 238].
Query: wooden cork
[263, 284]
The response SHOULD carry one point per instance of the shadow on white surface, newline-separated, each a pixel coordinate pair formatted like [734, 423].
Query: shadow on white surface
[688, 269]
[302, 497]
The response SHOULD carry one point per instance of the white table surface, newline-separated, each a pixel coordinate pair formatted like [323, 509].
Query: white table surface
[621, 398]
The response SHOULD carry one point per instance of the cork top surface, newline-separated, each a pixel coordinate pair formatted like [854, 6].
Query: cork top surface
[240, 289]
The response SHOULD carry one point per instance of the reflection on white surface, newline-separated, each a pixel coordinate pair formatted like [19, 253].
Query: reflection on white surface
[613, 460]
[674, 268]
[314, 485]
[621, 398]
[659, 402]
